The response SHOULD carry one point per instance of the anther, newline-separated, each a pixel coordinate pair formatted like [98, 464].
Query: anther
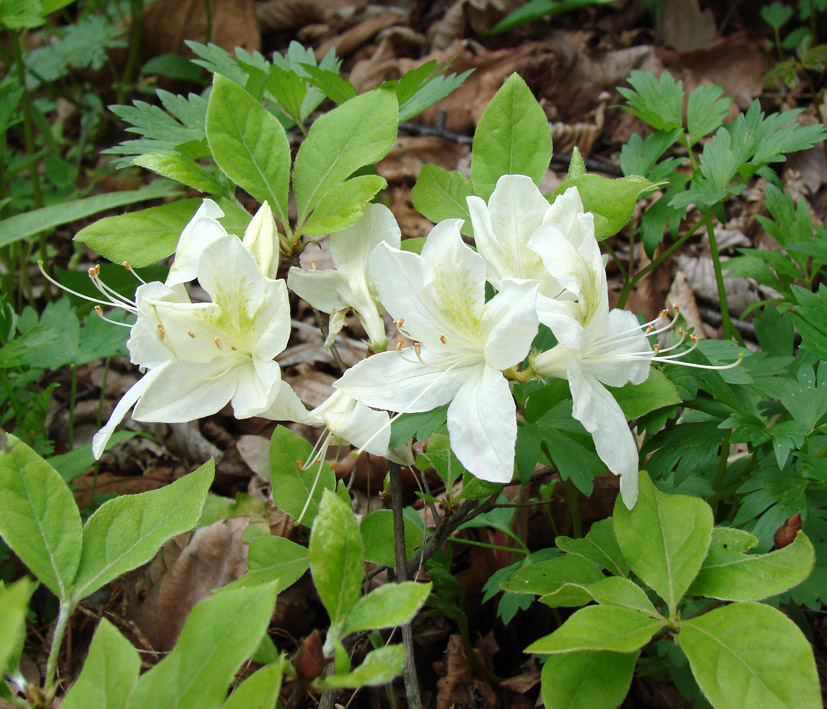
[399, 345]
[99, 310]
[399, 323]
[680, 331]
[127, 266]
[217, 341]
[161, 332]
[312, 265]
[417, 348]
[694, 339]
[234, 349]
[442, 339]
[190, 333]
[664, 313]
[649, 329]
[676, 308]
[299, 466]
[656, 348]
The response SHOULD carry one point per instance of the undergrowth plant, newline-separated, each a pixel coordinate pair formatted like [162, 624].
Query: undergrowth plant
[508, 367]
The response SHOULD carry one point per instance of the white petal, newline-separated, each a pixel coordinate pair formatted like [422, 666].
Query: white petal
[270, 326]
[602, 416]
[201, 231]
[324, 290]
[510, 323]
[482, 426]
[563, 318]
[622, 336]
[398, 382]
[135, 392]
[146, 348]
[229, 273]
[286, 407]
[350, 248]
[180, 394]
[261, 240]
[257, 386]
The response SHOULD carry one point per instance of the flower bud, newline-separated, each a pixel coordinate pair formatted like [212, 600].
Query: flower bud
[260, 239]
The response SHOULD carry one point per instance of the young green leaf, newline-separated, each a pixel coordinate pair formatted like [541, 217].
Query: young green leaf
[751, 655]
[260, 690]
[335, 87]
[600, 628]
[637, 400]
[439, 194]
[125, 532]
[379, 667]
[729, 573]
[512, 137]
[587, 679]
[359, 132]
[619, 591]
[181, 169]
[109, 673]
[546, 577]
[599, 546]
[14, 603]
[249, 144]
[664, 538]
[705, 111]
[342, 207]
[39, 519]
[387, 606]
[656, 102]
[336, 557]
[220, 633]
[291, 484]
[377, 536]
[272, 559]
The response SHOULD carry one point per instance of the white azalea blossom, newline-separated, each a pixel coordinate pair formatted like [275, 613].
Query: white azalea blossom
[349, 285]
[463, 345]
[200, 356]
[596, 347]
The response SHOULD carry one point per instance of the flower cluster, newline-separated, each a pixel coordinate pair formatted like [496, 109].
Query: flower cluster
[541, 259]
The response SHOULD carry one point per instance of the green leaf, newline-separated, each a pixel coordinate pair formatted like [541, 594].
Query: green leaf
[439, 456]
[587, 679]
[109, 673]
[181, 169]
[288, 89]
[611, 201]
[656, 102]
[14, 603]
[359, 132]
[260, 690]
[600, 628]
[292, 486]
[420, 425]
[143, 237]
[335, 87]
[272, 559]
[439, 194]
[599, 546]
[536, 9]
[379, 667]
[343, 206]
[39, 519]
[388, 606]
[751, 655]
[377, 536]
[664, 538]
[27, 224]
[512, 137]
[618, 591]
[336, 557]
[249, 144]
[221, 632]
[730, 574]
[637, 400]
[546, 577]
[705, 111]
[125, 532]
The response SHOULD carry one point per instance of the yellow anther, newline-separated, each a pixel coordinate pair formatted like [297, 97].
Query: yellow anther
[161, 332]
[190, 333]
[99, 310]
[649, 329]
[312, 265]
[694, 339]
[442, 339]
[656, 348]
[676, 308]
[680, 331]
[664, 313]
[234, 349]
[217, 341]
[399, 345]
[417, 348]
[127, 266]
[399, 323]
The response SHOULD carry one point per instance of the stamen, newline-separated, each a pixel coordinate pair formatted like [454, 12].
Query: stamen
[217, 341]
[161, 332]
[190, 333]
[107, 303]
[234, 349]
[129, 268]
[442, 339]
[312, 265]
[99, 311]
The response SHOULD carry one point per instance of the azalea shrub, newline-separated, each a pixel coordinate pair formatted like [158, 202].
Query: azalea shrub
[494, 359]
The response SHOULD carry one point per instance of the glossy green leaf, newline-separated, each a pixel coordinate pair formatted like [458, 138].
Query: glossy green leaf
[181, 169]
[512, 137]
[274, 559]
[127, 531]
[618, 591]
[221, 632]
[14, 603]
[587, 679]
[600, 628]
[343, 206]
[377, 535]
[388, 606]
[336, 557]
[664, 538]
[39, 519]
[751, 655]
[109, 673]
[600, 546]
[260, 690]
[730, 574]
[359, 132]
[612, 201]
[439, 194]
[249, 144]
[637, 400]
[546, 577]
[292, 486]
[379, 667]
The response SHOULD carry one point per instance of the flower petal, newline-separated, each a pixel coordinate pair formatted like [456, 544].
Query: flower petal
[510, 323]
[286, 406]
[146, 348]
[602, 416]
[324, 290]
[623, 336]
[230, 274]
[261, 240]
[257, 386]
[201, 231]
[482, 425]
[350, 248]
[270, 327]
[397, 382]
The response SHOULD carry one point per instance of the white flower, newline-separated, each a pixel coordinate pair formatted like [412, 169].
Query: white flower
[350, 286]
[515, 211]
[463, 344]
[260, 239]
[200, 356]
[595, 347]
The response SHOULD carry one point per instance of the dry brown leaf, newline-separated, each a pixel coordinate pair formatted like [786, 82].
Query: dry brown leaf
[681, 295]
[311, 386]
[255, 452]
[278, 15]
[683, 25]
[409, 153]
[349, 41]
[167, 23]
[187, 569]
[458, 686]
